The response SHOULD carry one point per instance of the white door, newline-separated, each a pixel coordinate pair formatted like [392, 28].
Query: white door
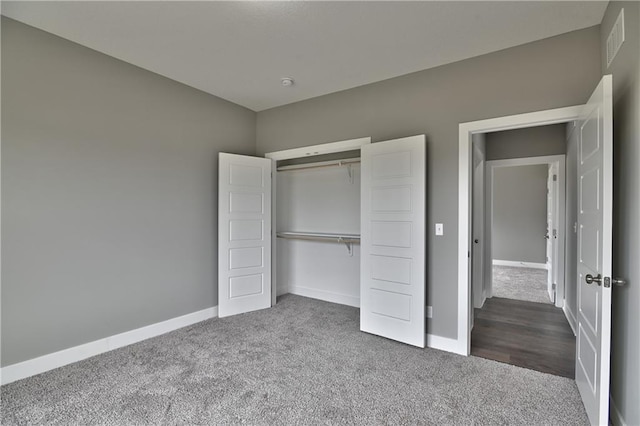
[392, 262]
[593, 343]
[552, 233]
[244, 234]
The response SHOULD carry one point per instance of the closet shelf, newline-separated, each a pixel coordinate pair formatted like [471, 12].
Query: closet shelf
[347, 239]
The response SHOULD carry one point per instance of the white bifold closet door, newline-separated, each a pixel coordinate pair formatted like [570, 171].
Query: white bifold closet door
[244, 234]
[392, 263]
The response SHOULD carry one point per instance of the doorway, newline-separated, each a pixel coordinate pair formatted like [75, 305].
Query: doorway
[525, 210]
[518, 250]
[593, 134]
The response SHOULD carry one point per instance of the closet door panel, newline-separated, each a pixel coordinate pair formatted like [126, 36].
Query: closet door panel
[244, 234]
[392, 272]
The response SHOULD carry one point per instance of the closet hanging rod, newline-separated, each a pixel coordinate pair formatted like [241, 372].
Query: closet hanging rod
[317, 236]
[347, 239]
[332, 163]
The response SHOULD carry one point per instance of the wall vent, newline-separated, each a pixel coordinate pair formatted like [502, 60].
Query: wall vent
[616, 38]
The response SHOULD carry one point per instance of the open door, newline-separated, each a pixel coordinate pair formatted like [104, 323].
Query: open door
[552, 231]
[593, 345]
[392, 262]
[244, 234]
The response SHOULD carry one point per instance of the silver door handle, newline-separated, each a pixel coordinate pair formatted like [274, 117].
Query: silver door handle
[590, 279]
[619, 282]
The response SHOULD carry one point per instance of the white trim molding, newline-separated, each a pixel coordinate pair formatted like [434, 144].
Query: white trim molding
[615, 417]
[445, 344]
[571, 318]
[321, 149]
[465, 144]
[44, 363]
[327, 296]
[518, 264]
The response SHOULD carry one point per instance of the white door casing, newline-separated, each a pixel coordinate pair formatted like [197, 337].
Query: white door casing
[595, 185]
[244, 234]
[465, 144]
[392, 263]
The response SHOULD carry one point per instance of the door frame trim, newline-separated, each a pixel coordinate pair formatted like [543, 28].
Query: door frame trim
[560, 161]
[320, 149]
[465, 132]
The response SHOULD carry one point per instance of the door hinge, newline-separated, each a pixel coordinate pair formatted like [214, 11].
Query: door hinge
[553, 287]
[555, 178]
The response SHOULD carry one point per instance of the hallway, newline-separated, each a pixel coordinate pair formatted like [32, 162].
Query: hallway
[532, 335]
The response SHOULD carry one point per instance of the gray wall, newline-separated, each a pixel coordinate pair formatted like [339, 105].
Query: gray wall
[556, 72]
[625, 368]
[108, 193]
[519, 213]
[529, 142]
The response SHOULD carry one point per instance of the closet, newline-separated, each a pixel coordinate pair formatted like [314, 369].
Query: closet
[342, 222]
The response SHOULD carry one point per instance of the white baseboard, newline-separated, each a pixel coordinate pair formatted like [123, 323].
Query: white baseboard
[34, 366]
[614, 414]
[327, 296]
[571, 318]
[446, 344]
[484, 299]
[518, 264]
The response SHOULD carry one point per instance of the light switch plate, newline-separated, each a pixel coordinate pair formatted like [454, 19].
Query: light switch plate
[439, 229]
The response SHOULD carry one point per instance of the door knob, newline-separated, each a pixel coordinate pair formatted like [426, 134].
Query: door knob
[619, 282]
[590, 279]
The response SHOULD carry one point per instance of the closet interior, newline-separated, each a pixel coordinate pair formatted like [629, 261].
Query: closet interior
[317, 210]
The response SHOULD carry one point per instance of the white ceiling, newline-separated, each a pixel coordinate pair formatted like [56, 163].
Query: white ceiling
[240, 50]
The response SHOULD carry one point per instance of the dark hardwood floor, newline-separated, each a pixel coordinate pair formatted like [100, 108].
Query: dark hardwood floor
[527, 334]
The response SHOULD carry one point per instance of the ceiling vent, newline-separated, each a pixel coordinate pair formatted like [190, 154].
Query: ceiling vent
[616, 38]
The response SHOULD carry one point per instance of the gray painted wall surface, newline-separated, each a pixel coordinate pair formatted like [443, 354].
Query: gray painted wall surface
[109, 177]
[529, 142]
[625, 368]
[519, 213]
[556, 72]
